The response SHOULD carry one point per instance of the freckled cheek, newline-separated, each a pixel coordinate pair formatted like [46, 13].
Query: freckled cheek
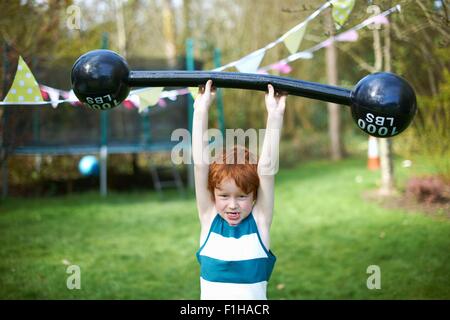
[221, 204]
[246, 205]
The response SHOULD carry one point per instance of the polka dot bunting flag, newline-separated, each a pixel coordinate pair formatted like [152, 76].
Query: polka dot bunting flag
[341, 11]
[24, 87]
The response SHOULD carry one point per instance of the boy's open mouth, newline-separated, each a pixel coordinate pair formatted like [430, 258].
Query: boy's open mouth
[233, 215]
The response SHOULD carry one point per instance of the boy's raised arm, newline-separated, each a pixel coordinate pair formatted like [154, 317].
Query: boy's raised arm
[268, 161]
[199, 146]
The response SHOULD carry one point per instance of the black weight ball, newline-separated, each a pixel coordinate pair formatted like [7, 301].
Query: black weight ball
[99, 79]
[383, 104]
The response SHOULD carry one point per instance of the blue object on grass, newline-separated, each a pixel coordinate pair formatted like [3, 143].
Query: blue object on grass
[88, 166]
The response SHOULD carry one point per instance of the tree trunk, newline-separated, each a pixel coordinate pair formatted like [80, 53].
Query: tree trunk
[386, 161]
[187, 29]
[169, 33]
[334, 119]
[121, 33]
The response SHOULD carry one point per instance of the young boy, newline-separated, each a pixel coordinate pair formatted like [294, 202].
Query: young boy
[235, 206]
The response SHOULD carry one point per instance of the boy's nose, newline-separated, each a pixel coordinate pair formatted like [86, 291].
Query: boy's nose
[233, 204]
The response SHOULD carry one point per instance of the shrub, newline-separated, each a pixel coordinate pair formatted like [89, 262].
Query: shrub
[431, 189]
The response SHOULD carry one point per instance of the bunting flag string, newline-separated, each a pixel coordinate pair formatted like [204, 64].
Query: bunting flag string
[249, 63]
[144, 97]
[349, 35]
[300, 28]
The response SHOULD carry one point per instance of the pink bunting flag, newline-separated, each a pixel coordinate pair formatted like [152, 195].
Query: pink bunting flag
[327, 42]
[183, 91]
[379, 19]
[133, 101]
[128, 104]
[282, 67]
[44, 93]
[348, 36]
[162, 103]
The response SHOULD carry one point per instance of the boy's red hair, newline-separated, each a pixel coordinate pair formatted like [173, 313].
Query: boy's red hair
[229, 165]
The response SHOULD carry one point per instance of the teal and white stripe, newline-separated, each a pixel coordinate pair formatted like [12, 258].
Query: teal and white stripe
[234, 263]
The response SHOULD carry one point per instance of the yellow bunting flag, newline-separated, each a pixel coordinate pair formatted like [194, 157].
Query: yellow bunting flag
[293, 40]
[24, 87]
[193, 91]
[149, 97]
[341, 11]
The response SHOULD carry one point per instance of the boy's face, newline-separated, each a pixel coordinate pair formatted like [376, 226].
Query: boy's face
[232, 203]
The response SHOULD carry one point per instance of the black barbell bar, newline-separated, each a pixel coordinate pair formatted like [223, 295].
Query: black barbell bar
[382, 104]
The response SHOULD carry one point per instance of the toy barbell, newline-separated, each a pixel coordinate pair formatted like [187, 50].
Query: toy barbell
[382, 104]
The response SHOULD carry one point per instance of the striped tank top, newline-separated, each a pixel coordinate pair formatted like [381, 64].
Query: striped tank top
[234, 263]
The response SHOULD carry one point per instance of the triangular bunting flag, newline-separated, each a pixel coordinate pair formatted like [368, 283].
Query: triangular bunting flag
[24, 87]
[348, 36]
[341, 11]
[54, 96]
[293, 40]
[379, 19]
[72, 96]
[282, 67]
[149, 97]
[73, 99]
[162, 103]
[134, 98]
[193, 91]
[172, 95]
[251, 62]
[132, 101]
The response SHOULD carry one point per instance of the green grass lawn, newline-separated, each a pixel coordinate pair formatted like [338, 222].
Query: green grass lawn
[136, 246]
